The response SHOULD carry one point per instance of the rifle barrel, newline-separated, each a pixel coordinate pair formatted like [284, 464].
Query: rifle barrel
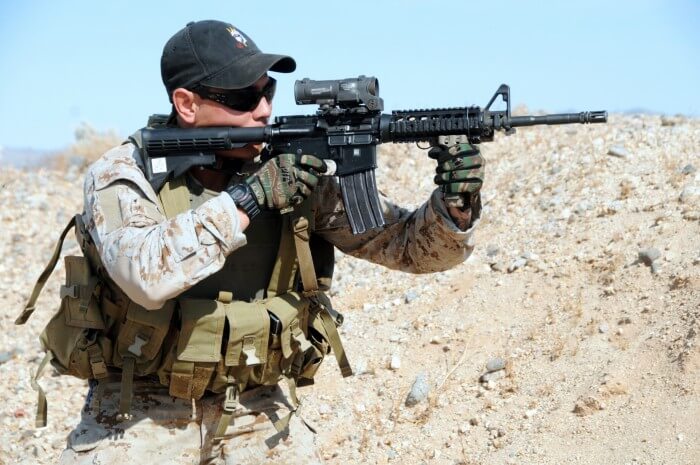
[583, 117]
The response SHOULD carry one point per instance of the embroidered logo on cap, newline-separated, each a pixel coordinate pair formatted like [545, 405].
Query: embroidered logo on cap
[242, 41]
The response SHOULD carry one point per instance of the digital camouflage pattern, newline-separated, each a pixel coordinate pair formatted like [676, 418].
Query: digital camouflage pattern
[285, 180]
[154, 259]
[168, 431]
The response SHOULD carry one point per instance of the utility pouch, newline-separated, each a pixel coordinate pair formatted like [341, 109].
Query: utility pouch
[79, 297]
[202, 330]
[75, 335]
[198, 346]
[249, 325]
[141, 336]
[292, 310]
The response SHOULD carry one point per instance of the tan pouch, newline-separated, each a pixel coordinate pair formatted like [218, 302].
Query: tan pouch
[141, 336]
[79, 297]
[202, 330]
[249, 325]
[75, 335]
[293, 312]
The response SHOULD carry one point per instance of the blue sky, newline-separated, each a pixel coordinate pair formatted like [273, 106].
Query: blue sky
[73, 61]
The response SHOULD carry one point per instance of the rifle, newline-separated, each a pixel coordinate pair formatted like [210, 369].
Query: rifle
[345, 131]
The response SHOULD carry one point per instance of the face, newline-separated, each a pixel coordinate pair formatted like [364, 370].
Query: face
[203, 112]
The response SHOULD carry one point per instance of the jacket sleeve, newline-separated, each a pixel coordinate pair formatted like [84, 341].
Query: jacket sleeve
[425, 240]
[152, 258]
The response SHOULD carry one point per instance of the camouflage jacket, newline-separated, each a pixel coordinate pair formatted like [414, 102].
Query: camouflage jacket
[153, 259]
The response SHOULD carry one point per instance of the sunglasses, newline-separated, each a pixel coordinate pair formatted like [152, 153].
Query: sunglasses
[239, 99]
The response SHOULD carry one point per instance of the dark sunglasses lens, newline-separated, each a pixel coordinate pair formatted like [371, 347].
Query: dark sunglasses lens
[248, 99]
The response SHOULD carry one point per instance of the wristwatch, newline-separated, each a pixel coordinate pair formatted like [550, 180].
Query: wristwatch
[244, 198]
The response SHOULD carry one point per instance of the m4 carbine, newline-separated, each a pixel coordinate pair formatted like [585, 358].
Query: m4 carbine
[346, 130]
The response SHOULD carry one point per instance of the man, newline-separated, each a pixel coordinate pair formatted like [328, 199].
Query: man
[202, 312]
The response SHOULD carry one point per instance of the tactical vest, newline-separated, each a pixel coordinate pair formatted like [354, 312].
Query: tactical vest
[222, 335]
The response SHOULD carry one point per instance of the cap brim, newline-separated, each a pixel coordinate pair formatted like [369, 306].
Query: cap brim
[244, 72]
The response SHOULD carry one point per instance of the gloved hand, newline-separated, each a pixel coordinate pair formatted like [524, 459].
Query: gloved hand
[460, 169]
[460, 175]
[285, 180]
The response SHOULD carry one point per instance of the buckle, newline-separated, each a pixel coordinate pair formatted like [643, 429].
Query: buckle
[231, 400]
[69, 291]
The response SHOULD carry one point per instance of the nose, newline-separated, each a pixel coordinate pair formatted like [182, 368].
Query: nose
[263, 110]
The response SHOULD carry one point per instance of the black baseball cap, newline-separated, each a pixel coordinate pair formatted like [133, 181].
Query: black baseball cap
[216, 54]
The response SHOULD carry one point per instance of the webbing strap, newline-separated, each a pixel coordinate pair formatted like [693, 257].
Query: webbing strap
[302, 235]
[230, 404]
[97, 361]
[127, 387]
[282, 278]
[334, 340]
[283, 423]
[181, 376]
[31, 303]
[175, 197]
[42, 406]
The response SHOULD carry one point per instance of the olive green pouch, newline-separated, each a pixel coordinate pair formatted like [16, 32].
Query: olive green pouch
[249, 325]
[78, 296]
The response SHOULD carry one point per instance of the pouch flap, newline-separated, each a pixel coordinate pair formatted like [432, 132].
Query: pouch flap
[78, 295]
[202, 330]
[144, 331]
[292, 311]
[250, 330]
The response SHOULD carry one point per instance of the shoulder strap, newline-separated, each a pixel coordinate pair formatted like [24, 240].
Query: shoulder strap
[294, 253]
[175, 197]
[31, 303]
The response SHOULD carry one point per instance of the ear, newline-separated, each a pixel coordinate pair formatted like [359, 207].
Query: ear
[186, 104]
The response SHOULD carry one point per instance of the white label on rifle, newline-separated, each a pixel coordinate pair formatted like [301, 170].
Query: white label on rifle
[158, 165]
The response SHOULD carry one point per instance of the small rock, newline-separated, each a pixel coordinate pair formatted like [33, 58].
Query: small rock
[614, 206]
[587, 406]
[9, 355]
[647, 256]
[655, 268]
[464, 428]
[495, 364]
[498, 266]
[419, 390]
[436, 340]
[603, 328]
[618, 151]
[688, 169]
[325, 409]
[492, 377]
[410, 296]
[475, 421]
[530, 413]
[360, 366]
[680, 437]
[690, 195]
[517, 263]
[391, 454]
[492, 250]
[395, 363]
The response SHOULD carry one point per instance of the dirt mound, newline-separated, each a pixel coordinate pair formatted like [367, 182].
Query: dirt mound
[570, 336]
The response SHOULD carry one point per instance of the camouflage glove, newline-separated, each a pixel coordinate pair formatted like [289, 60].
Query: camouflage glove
[285, 180]
[460, 172]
